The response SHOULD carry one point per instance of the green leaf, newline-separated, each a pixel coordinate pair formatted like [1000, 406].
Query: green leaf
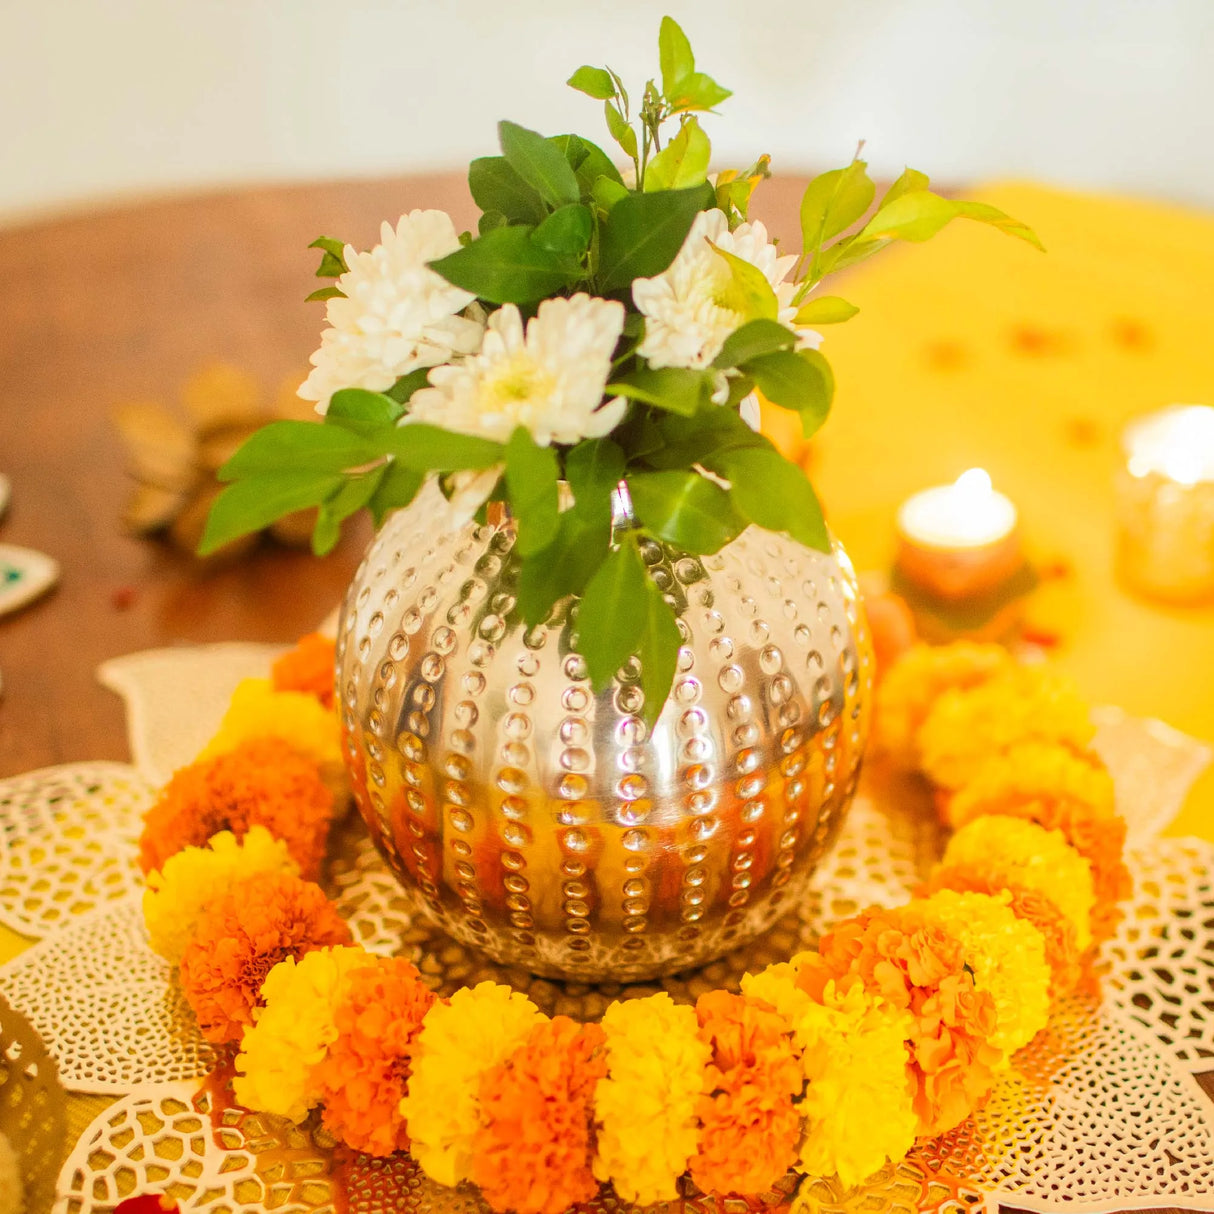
[910, 179]
[796, 379]
[531, 480]
[611, 616]
[333, 256]
[397, 488]
[593, 81]
[402, 391]
[593, 469]
[920, 214]
[685, 509]
[620, 131]
[915, 216]
[659, 652]
[564, 567]
[539, 163]
[749, 293]
[325, 293]
[426, 448]
[825, 310]
[489, 221]
[289, 447]
[687, 441]
[984, 213]
[249, 505]
[566, 231]
[769, 490]
[361, 411]
[752, 340]
[674, 388]
[832, 202]
[697, 92]
[495, 186]
[643, 232]
[590, 162]
[674, 55]
[353, 495]
[682, 162]
[606, 193]
[505, 266]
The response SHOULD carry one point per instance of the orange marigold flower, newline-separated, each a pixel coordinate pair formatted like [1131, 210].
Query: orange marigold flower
[1061, 942]
[308, 667]
[365, 1073]
[262, 782]
[915, 965]
[749, 1127]
[533, 1151]
[1059, 789]
[241, 937]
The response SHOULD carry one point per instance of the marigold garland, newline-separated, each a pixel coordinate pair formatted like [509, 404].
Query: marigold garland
[1015, 852]
[459, 1041]
[647, 1105]
[261, 781]
[915, 965]
[257, 710]
[177, 895]
[858, 1106]
[242, 936]
[966, 726]
[365, 1073]
[749, 1128]
[307, 668]
[532, 1152]
[830, 1064]
[280, 1054]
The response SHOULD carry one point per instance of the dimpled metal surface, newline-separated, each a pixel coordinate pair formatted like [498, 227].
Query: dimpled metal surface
[548, 825]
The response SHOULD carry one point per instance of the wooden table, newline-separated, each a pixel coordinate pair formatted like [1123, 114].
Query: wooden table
[125, 305]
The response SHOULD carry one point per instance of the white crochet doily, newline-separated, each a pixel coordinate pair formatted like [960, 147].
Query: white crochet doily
[1101, 1111]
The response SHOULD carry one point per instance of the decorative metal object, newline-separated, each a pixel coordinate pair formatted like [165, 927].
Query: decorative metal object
[546, 824]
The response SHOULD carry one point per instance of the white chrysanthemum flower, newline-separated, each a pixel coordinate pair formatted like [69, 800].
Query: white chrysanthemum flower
[397, 314]
[549, 379]
[686, 322]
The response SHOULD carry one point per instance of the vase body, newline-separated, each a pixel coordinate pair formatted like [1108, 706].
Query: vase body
[546, 824]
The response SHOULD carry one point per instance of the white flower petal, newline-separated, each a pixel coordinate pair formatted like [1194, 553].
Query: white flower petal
[548, 378]
[396, 315]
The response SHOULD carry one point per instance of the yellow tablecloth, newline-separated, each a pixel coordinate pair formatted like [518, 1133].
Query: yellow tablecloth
[974, 350]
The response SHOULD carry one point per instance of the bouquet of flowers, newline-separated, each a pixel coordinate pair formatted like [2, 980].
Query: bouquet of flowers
[603, 333]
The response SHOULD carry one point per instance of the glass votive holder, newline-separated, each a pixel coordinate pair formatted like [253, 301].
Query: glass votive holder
[1165, 505]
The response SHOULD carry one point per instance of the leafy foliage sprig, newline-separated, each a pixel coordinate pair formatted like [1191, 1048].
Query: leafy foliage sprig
[559, 219]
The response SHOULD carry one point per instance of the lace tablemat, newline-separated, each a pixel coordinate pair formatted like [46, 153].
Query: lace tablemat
[1101, 1112]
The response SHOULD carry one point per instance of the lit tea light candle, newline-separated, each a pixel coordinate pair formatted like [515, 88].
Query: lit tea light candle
[959, 541]
[1165, 504]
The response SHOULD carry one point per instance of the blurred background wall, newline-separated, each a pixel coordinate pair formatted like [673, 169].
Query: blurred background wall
[111, 98]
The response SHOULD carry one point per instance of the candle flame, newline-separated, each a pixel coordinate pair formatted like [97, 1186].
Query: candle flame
[975, 483]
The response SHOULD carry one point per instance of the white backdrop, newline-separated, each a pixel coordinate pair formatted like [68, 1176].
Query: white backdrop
[105, 98]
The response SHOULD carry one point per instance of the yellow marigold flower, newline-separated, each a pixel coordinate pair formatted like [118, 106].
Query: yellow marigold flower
[1007, 955]
[1033, 772]
[914, 683]
[292, 1033]
[1028, 704]
[1014, 852]
[646, 1106]
[177, 895]
[459, 1041]
[258, 711]
[859, 1104]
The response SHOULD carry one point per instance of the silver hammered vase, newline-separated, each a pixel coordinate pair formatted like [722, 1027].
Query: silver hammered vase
[547, 825]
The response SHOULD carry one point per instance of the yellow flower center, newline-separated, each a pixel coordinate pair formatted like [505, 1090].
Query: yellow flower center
[518, 381]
